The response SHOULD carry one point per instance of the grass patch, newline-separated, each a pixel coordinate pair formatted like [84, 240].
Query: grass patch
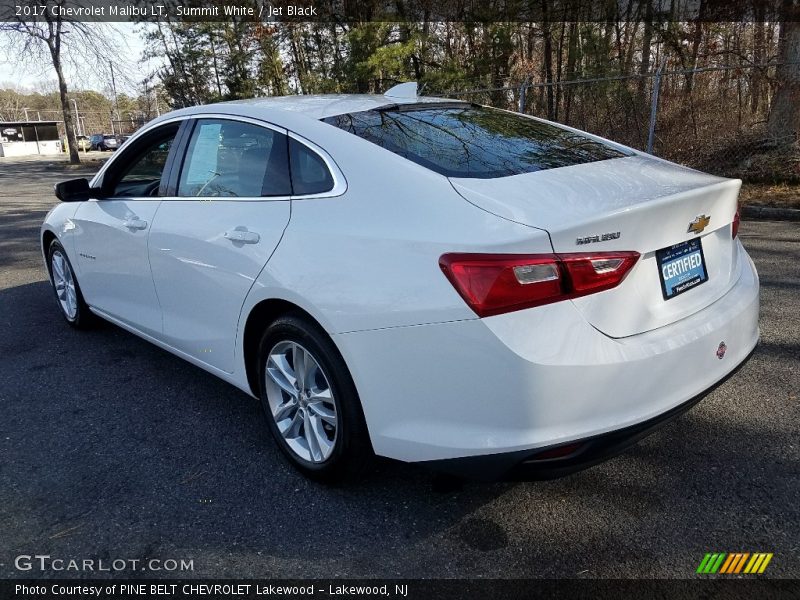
[780, 195]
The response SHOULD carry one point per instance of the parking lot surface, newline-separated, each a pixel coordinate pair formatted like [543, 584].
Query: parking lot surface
[111, 448]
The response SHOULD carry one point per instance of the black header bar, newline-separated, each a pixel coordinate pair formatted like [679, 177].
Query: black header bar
[359, 11]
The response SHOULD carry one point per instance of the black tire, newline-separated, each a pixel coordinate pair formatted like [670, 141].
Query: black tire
[83, 318]
[352, 451]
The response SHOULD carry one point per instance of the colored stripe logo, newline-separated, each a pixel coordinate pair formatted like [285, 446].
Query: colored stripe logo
[732, 563]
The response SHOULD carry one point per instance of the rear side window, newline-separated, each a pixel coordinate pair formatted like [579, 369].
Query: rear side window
[235, 159]
[473, 141]
[310, 174]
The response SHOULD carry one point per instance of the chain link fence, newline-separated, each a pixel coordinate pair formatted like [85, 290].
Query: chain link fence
[713, 119]
[90, 122]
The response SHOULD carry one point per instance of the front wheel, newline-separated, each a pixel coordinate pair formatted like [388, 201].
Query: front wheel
[310, 401]
[65, 285]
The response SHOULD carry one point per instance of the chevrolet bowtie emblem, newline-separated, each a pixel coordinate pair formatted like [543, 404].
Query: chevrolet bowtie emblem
[699, 224]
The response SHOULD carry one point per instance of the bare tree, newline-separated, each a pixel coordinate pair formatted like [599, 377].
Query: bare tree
[47, 39]
[784, 116]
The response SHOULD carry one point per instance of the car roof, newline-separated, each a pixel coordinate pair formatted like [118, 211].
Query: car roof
[299, 113]
[324, 105]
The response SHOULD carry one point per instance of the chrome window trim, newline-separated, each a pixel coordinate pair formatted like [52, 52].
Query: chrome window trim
[339, 181]
[211, 199]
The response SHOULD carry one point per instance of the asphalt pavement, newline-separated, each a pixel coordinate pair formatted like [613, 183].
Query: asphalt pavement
[111, 448]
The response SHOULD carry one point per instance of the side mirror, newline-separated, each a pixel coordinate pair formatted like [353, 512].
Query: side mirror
[74, 190]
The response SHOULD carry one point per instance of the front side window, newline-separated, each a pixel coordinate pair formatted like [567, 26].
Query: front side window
[145, 165]
[473, 141]
[234, 159]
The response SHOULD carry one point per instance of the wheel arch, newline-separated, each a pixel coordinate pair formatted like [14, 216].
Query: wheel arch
[260, 316]
[47, 238]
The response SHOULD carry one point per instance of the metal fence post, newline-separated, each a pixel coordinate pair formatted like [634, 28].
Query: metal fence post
[522, 90]
[651, 135]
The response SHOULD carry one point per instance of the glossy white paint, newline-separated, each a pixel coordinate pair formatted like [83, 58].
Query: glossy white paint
[195, 243]
[111, 244]
[649, 202]
[537, 377]
[435, 381]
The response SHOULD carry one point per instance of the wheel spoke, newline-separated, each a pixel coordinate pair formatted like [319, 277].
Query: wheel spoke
[318, 441]
[58, 266]
[312, 368]
[282, 374]
[72, 301]
[319, 395]
[299, 362]
[320, 410]
[291, 429]
[283, 410]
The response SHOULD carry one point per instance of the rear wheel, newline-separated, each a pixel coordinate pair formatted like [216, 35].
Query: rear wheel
[310, 401]
[65, 285]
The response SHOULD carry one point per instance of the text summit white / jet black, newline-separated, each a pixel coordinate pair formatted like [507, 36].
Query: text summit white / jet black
[419, 278]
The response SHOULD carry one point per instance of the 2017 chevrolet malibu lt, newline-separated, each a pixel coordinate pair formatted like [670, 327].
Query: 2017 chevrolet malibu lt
[417, 278]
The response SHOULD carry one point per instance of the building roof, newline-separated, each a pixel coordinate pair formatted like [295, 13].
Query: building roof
[26, 123]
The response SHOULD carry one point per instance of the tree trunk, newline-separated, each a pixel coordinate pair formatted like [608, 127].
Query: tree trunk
[644, 67]
[548, 60]
[784, 115]
[697, 37]
[69, 128]
[559, 62]
[572, 51]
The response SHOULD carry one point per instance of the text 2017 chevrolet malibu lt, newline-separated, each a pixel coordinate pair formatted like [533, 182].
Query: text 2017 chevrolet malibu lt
[417, 278]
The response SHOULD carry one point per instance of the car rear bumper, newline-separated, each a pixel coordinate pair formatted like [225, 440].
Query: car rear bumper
[523, 382]
[564, 459]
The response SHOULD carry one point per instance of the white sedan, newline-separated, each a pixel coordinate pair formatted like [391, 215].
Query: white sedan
[418, 278]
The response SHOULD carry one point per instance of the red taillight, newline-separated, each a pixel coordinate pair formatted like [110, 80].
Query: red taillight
[735, 225]
[492, 284]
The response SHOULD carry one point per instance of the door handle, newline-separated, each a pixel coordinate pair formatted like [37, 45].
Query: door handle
[242, 236]
[135, 223]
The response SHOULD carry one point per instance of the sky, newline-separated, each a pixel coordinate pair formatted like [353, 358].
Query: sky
[130, 39]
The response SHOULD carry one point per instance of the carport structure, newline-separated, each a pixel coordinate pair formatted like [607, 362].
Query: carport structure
[23, 138]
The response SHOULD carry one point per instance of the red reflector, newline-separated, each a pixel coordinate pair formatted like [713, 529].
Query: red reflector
[492, 284]
[559, 452]
[735, 225]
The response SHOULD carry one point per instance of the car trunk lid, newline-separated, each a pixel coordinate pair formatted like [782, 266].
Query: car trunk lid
[634, 203]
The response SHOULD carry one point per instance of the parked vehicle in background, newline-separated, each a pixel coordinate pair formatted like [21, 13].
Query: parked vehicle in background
[81, 140]
[103, 142]
[426, 279]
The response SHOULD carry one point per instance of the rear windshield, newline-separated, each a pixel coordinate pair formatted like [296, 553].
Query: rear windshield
[473, 141]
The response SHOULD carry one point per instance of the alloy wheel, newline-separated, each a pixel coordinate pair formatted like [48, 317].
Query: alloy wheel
[301, 401]
[64, 283]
